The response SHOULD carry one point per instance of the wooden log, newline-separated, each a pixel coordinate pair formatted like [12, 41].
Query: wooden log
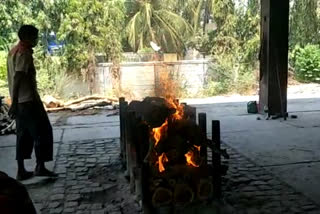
[183, 194]
[130, 148]
[204, 189]
[216, 159]
[79, 107]
[193, 114]
[51, 102]
[176, 101]
[125, 133]
[157, 182]
[161, 197]
[121, 118]
[52, 110]
[172, 182]
[89, 105]
[202, 117]
[142, 141]
[92, 97]
[138, 182]
[135, 150]
[145, 192]
[153, 110]
[127, 148]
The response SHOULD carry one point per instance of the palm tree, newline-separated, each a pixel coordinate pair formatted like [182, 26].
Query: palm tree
[192, 11]
[156, 21]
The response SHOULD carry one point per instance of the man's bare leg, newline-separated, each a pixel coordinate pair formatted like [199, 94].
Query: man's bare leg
[23, 174]
[41, 170]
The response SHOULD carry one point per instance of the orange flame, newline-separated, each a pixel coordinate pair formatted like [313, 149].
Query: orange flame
[198, 147]
[178, 115]
[161, 160]
[189, 157]
[157, 132]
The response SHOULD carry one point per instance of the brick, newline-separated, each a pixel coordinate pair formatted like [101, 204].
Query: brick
[91, 160]
[96, 206]
[73, 197]
[57, 197]
[56, 211]
[99, 212]
[69, 210]
[71, 204]
[54, 205]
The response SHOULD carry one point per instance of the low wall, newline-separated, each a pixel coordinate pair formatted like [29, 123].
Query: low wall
[141, 79]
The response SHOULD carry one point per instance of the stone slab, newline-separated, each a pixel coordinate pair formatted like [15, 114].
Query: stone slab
[88, 133]
[91, 119]
[243, 123]
[305, 120]
[53, 117]
[10, 140]
[8, 163]
[277, 146]
[237, 105]
[290, 145]
[304, 177]
[303, 104]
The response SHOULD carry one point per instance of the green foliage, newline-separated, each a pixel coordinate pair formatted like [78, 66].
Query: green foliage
[236, 47]
[87, 27]
[155, 21]
[3, 65]
[90, 27]
[306, 63]
[202, 43]
[304, 23]
[3, 73]
[11, 14]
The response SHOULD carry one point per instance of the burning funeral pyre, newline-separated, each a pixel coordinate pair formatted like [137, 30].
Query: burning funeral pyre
[167, 153]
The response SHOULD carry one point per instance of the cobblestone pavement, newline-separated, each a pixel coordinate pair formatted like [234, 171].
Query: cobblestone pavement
[91, 181]
[252, 189]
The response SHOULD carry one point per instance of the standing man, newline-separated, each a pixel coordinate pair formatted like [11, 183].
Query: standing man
[33, 125]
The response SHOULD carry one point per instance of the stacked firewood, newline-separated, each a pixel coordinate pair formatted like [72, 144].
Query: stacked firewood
[181, 183]
[175, 182]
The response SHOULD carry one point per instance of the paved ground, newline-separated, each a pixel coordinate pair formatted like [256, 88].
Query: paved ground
[274, 165]
[289, 149]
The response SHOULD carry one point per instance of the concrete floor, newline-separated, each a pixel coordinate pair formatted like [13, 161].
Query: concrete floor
[289, 149]
[72, 129]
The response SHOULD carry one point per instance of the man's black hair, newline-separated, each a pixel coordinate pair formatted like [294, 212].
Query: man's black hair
[28, 32]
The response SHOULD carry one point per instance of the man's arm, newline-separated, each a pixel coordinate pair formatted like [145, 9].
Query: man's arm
[15, 93]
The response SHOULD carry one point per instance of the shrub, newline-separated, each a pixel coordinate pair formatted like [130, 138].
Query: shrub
[3, 65]
[3, 74]
[227, 75]
[52, 76]
[306, 63]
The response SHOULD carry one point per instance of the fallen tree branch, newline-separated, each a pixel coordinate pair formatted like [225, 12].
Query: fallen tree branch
[92, 97]
[53, 110]
[89, 105]
[51, 102]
